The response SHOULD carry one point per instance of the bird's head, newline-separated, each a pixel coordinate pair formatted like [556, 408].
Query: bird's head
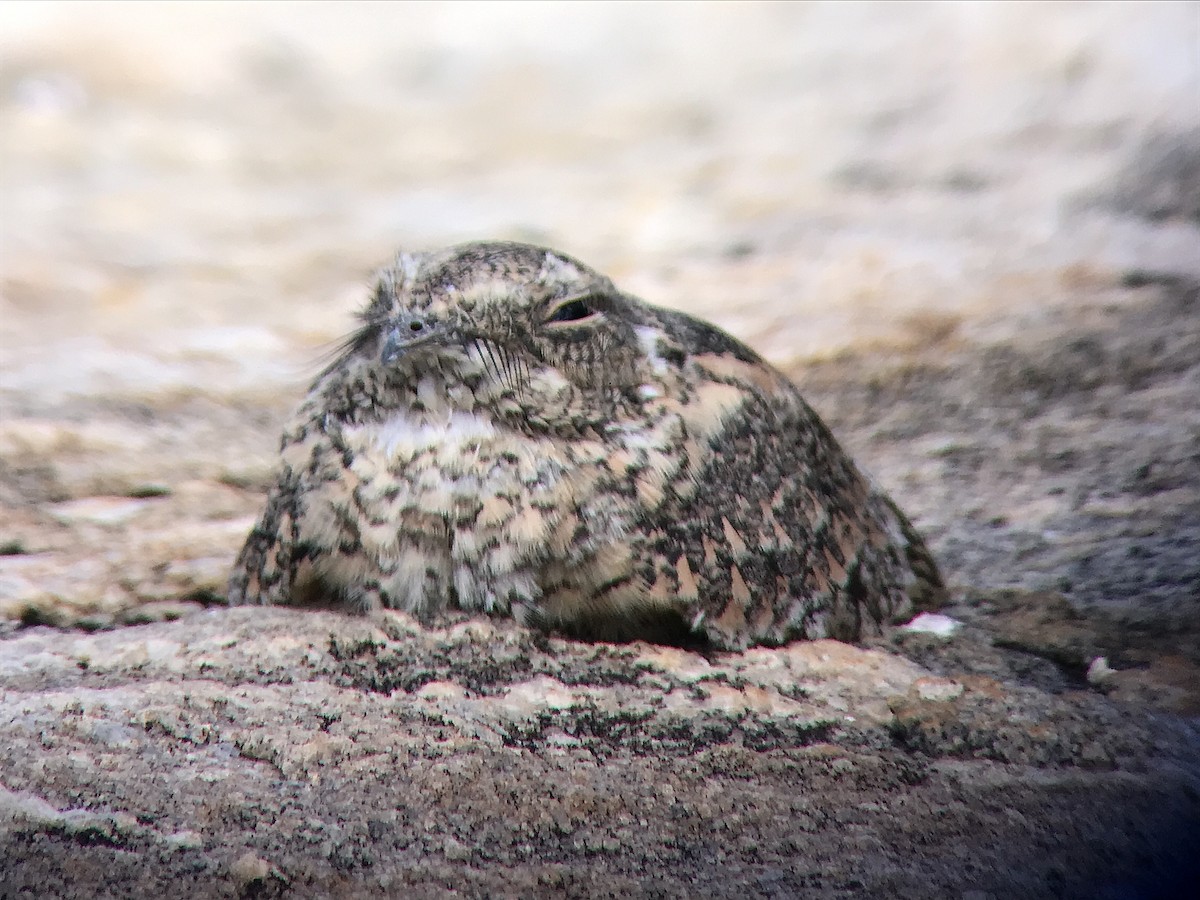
[529, 332]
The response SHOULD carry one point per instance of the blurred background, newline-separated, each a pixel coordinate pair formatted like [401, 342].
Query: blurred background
[193, 197]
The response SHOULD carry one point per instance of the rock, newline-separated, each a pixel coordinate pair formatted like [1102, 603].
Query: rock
[933, 623]
[1099, 672]
[326, 753]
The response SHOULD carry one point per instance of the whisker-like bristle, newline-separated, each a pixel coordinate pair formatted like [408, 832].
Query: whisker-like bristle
[479, 352]
[334, 353]
[506, 360]
[487, 345]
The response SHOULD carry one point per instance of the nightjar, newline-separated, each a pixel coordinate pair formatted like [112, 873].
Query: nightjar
[509, 433]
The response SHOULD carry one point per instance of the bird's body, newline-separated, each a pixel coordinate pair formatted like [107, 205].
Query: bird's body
[508, 433]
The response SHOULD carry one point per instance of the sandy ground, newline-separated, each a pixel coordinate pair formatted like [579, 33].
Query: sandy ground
[970, 232]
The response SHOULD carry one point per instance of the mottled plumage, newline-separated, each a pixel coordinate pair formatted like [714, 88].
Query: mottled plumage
[508, 433]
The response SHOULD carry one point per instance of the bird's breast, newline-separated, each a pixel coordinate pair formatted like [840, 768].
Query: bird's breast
[418, 471]
[451, 504]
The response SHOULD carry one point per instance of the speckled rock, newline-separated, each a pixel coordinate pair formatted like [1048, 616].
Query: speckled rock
[286, 752]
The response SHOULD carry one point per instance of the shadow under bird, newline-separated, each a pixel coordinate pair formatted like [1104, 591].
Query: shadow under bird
[510, 434]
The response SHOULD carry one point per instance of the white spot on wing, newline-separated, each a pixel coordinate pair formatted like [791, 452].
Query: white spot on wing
[649, 392]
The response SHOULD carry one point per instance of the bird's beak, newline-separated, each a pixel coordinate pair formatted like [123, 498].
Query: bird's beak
[407, 332]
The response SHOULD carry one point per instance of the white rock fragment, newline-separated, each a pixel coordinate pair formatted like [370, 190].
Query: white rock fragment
[1099, 671]
[933, 623]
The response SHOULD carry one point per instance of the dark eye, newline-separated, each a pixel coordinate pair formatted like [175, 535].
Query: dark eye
[572, 311]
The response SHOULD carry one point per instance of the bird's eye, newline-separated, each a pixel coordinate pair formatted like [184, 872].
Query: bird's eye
[572, 311]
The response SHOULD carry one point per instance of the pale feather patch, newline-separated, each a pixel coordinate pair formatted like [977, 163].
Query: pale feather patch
[408, 265]
[648, 339]
[403, 438]
[733, 537]
[649, 391]
[689, 588]
[739, 590]
[766, 380]
[466, 544]
[713, 403]
[527, 528]
[556, 269]
[495, 512]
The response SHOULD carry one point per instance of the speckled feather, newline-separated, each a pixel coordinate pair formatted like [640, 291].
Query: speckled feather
[509, 433]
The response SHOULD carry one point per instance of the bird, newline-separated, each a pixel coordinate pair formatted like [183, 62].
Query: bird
[508, 434]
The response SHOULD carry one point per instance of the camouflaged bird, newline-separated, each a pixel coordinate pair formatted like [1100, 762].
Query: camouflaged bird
[508, 433]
